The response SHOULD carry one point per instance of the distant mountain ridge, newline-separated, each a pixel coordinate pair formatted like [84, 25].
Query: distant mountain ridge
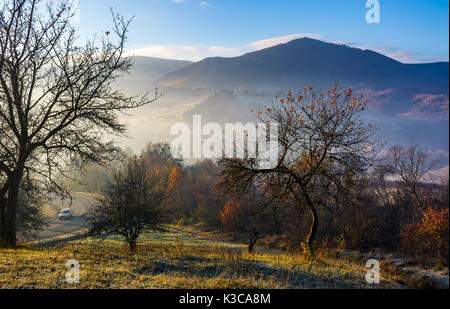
[311, 62]
[146, 70]
[407, 102]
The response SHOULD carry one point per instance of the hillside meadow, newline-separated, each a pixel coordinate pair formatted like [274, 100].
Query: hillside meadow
[188, 258]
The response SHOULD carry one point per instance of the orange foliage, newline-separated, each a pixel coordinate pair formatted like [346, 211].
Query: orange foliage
[434, 225]
[428, 237]
[234, 216]
[174, 178]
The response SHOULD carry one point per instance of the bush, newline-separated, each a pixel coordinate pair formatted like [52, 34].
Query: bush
[434, 226]
[130, 203]
[429, 238]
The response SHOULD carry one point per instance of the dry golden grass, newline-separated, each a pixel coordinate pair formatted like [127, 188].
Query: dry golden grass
[181, 258]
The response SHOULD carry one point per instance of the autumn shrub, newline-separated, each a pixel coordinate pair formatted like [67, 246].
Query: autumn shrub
[428, 240]
[233, 216]
[434, 226]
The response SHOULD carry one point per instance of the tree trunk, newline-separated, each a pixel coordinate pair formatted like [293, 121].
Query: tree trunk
[8, 237]
[132, 245]
[313, 231]
[308, 245]
[2, 219]
[252, 241]
[3, 200]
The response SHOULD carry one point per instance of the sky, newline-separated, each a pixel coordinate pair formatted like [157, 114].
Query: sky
[411, 31]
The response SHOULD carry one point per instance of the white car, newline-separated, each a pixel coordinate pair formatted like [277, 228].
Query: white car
[65, 214]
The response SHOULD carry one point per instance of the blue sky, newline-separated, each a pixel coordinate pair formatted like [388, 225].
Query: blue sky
[409, 31]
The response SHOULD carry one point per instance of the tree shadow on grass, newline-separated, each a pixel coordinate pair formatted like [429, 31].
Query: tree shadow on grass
[257, 270]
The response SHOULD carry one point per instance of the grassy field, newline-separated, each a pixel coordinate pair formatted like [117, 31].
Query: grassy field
[183, 258]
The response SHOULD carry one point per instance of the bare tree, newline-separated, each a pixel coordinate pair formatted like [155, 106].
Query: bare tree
[57, 103]
[323, 144]
[410, 164]
[131, 202]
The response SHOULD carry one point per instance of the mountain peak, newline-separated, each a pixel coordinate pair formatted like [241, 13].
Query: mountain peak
[307, 61]
[306, 40]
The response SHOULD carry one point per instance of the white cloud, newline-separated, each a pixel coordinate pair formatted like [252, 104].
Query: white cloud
[203, 3]
[407, 56]
[177, 1]
[404, 56]
[282, 39]
[196, 53]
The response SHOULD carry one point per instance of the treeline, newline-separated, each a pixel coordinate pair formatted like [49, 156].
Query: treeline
[392, 210]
